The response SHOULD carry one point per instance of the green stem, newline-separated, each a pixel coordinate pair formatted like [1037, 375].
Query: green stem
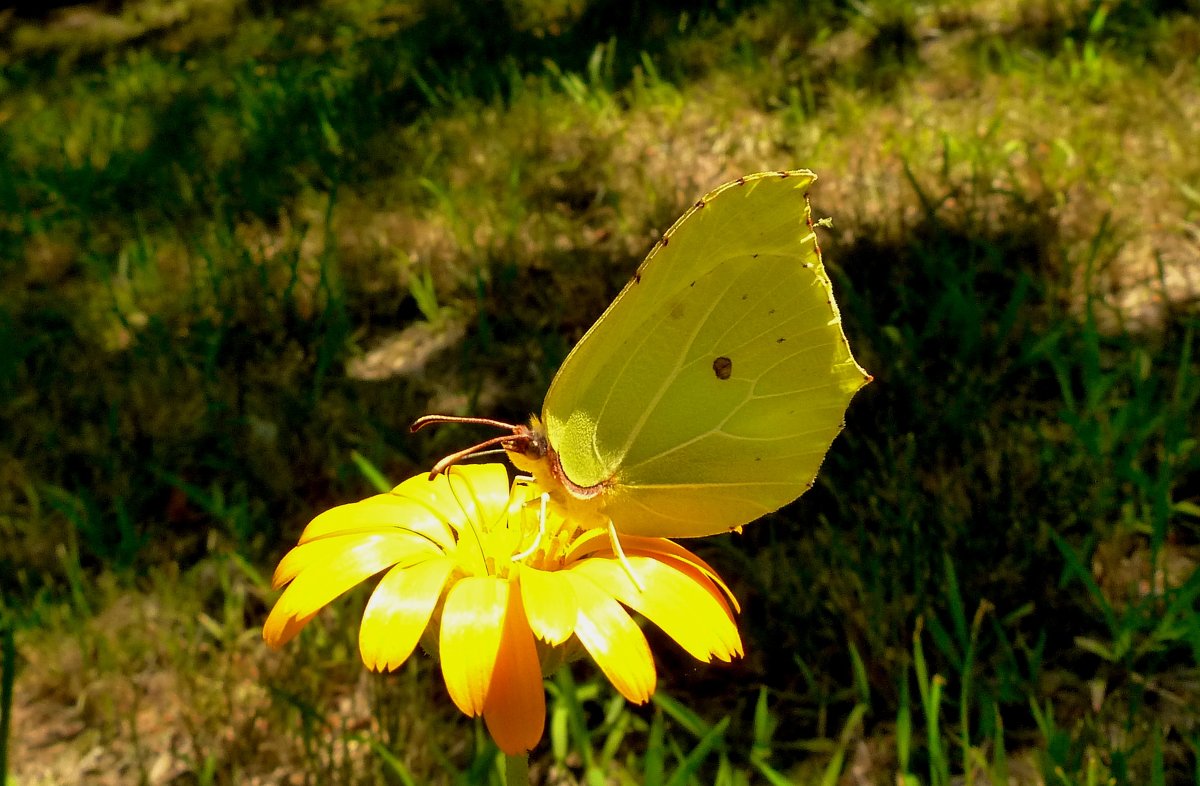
[516, 769]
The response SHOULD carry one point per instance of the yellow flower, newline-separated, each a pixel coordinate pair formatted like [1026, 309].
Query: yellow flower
[503, 584]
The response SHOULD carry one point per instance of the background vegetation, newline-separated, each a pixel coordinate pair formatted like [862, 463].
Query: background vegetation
[244, 243]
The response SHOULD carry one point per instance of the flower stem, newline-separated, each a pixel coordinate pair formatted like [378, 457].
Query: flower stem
[516, 769]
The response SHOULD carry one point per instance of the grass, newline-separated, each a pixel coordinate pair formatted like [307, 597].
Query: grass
[243, 245]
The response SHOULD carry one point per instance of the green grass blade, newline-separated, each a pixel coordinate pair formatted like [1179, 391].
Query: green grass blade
[999, 768]
[370, 472]
[1158, 773]
[904, 725]
[1077, 569]
[833, 770]
[682, 715]
[695, 759]
[653, 762]
[861, 686]
[394, 766]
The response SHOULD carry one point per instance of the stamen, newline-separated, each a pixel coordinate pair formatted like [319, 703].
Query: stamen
[620, 552]
[541, 530]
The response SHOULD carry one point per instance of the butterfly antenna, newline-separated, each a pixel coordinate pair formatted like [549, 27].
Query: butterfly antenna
[620, 552]
[426, 420]
[454, 458]
[449, 461]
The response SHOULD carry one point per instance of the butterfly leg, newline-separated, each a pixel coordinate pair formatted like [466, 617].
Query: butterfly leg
[545, 498]
[615, 539]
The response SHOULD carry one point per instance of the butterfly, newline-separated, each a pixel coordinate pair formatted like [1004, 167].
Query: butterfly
[710, 390]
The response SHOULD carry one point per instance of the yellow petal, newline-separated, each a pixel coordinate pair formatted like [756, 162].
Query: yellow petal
[515, 709]
[320, 555]
[334, 565]
[386, 512]
[475, 493]
[681, 558]
[672, 600]
[472, 625]
[597, 543]
[711, 582]
[589, 542]
[613, 640]
[398, 612]
[549, 603]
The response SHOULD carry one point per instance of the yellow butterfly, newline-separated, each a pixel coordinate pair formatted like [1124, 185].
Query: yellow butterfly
[710, 390]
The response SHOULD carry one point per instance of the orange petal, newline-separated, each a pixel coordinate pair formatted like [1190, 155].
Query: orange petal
[515, 709]
[613, 639]
[710, 581]
[549, 603]
[661, 547]
[321, 555]
[281, 628]
[672, 600]
[472, 626]
[598, 543]
[387, 512]
[398, 612]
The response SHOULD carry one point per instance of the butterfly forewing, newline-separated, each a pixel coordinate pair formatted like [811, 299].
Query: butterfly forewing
[710, 390]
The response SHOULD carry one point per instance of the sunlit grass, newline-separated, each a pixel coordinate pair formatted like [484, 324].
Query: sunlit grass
[205, 217]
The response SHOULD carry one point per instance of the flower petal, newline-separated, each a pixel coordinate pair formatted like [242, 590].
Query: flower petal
[477, 493]
[399, 611]
[661, 547]
[472, 626]
[319, 555]
[674, 601]
[387, 512]
[279, 629]
[588, 542]
[613, 639]
[327, 568]
[515, 709]
[549, 603]
[598, 543]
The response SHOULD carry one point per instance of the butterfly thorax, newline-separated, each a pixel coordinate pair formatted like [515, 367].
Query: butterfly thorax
[530, 451]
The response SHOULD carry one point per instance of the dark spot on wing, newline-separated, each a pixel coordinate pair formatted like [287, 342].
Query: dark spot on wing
[692, 284]
[637, 277]
[665, 240]
[745, 296]
[754, 256]
[780, 340]
[783, 174]
[741, 181]
[699, 203]
[722, 367]
[772, 311]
